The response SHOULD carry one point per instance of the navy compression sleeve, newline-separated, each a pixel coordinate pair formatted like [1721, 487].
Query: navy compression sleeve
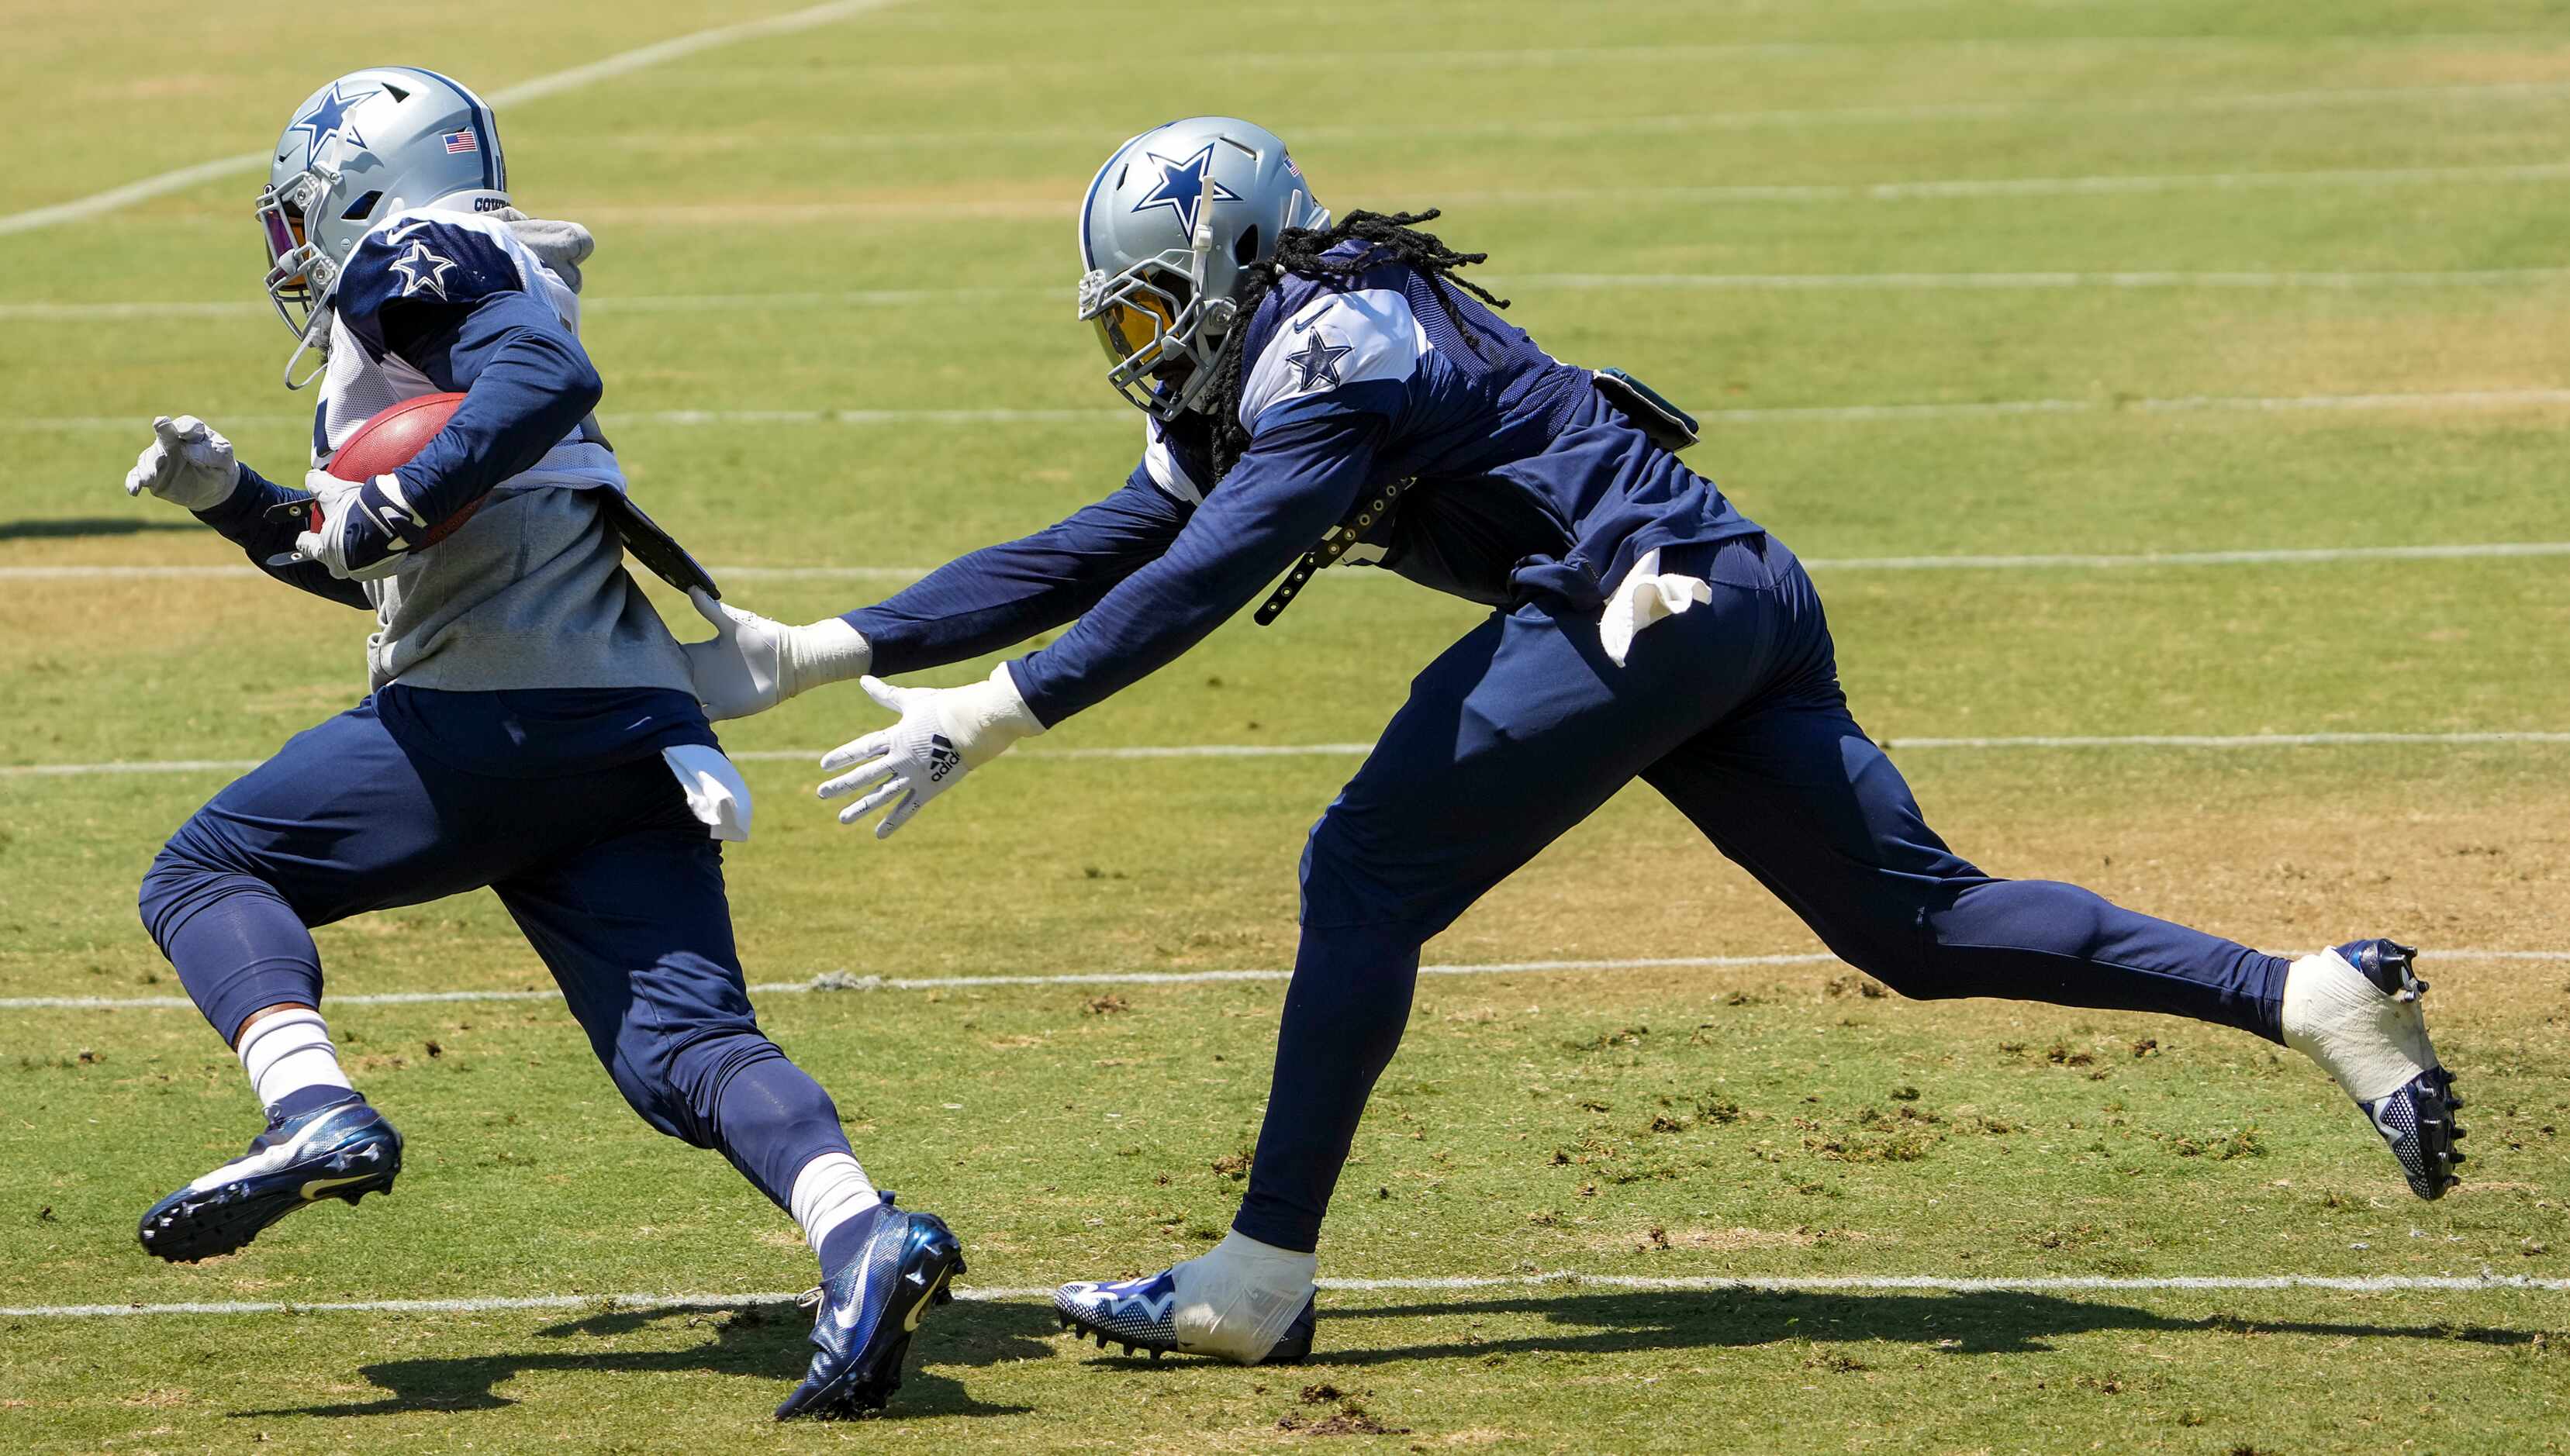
[1287, 491]
[1003, 595]
[242, 519]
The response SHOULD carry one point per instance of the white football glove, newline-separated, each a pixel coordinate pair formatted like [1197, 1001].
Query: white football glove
[944, 733]
[186, 463]
[750, 663]
[356, 540]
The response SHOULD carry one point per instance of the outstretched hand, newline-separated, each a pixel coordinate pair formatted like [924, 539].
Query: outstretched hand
[943, 734]
[751, 663]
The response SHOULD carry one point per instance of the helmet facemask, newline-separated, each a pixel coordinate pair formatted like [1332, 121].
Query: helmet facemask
[301, 276]
[1162, 341]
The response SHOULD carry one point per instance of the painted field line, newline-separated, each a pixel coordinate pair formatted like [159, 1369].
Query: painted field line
[2282, 557]
[840, 980]
[2031, 186]
[1042, 206]
[1676, 122]
[620, 63]
[800, 302]
[2449, 399]
[2072, 560]
[2223, 740]
[2214, 741]
[1501, 57]
[1569, 1279]
[2135, 278]
[1031, 208]
[41, 312]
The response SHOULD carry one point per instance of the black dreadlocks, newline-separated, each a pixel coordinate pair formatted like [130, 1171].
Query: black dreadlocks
[1392, 237]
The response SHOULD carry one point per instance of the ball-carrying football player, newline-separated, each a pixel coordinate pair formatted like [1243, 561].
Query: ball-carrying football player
[1315, 391]
[531, 726]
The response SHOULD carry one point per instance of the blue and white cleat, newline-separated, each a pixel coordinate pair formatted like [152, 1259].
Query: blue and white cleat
[2355, 1011]
[1195, 1312]
[344, 1150]
[868, 1309]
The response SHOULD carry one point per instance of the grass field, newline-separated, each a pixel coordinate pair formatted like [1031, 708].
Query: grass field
[2083, 278]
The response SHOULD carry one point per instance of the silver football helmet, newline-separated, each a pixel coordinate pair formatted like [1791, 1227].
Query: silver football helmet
[1168, 234]
[359, 150]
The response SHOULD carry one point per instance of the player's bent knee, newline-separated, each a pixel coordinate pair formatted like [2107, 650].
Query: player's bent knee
[180, 883]
[1344, 887]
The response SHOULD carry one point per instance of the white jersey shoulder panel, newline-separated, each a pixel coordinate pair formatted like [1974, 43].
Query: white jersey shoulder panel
[1336, 340]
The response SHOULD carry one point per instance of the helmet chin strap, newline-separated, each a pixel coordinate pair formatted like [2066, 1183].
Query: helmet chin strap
[1214, 322]
[314, 333]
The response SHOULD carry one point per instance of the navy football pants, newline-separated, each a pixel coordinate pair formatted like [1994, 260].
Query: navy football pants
[615, 885]
[1733, 711]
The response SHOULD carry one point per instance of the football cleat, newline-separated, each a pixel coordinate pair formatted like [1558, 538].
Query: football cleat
[2355, 1010]
[1144, 1314]
[867, 1311]
[344, 1150]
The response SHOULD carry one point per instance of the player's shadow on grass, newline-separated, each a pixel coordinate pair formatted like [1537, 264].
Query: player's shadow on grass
[1982, 1323]
[765, 1342]
[1991, 1323]
[68, 527]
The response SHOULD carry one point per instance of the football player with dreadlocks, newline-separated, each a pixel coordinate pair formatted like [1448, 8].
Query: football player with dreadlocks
[1307, 382]
[531, 726]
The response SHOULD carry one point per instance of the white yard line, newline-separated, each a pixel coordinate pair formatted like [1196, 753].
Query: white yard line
[2224, 741]
[1040, 204]
[1677, 123]
[2214, 741]
[2446, 399]
[609, 307]
[2042, 561]
[621, 64]
[2140, 278]
[841, 981]
[1462, 1284]
[2028, 186]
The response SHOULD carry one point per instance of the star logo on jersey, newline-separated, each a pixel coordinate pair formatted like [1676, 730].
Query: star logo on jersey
[1184, 185]
[422, 271]
[328, 118]
[1316, 366]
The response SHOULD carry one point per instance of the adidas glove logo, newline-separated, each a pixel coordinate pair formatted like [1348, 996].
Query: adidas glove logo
[942, 758]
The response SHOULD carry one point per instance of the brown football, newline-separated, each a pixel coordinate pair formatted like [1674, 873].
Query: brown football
[387, 442]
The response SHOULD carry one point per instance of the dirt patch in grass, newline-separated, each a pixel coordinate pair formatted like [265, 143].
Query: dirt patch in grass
[1726, 1241]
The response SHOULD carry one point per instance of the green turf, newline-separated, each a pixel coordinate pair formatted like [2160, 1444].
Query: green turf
[755, 201]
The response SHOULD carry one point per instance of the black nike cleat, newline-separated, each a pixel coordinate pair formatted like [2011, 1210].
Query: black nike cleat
[345, 1151]
[868, 1309]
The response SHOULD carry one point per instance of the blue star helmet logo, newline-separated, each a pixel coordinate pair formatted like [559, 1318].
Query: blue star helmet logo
[1317, 365]
[420, 270]
[1184, 184]
[328, 117]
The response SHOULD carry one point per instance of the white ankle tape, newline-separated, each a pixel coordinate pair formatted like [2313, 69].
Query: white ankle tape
[1237, 1298]
[288, 1052]
[830, 1191]
[2371, 1043]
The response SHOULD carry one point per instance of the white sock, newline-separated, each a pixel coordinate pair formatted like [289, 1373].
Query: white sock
[1237, 1299]
[288, 1052]
[828, 1192]
[2370, 1042]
